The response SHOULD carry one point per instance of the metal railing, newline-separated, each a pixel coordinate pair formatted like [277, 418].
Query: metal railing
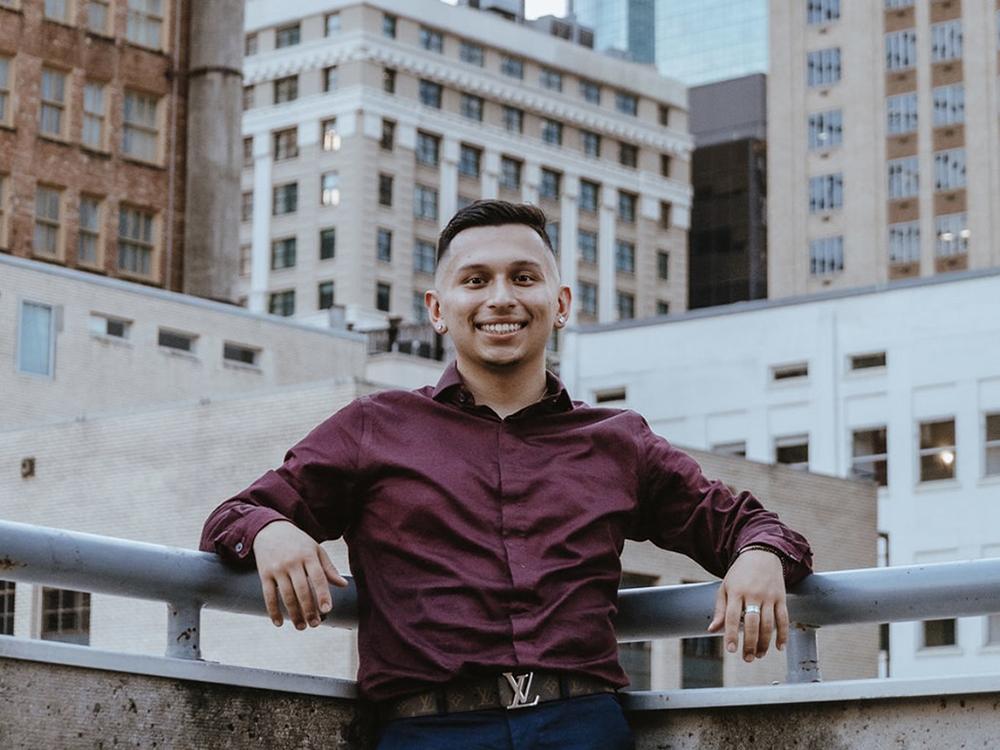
[189, 581]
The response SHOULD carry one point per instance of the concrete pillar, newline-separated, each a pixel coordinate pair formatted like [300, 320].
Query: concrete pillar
[490, 177]
[448, 198]
[529, 182]
[214, 160]
[606, 309]
[569, 213]
[260, 243]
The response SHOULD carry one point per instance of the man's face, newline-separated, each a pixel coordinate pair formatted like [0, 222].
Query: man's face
[498, 293]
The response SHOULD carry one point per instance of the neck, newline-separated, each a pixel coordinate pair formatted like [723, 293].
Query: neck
[505, 390]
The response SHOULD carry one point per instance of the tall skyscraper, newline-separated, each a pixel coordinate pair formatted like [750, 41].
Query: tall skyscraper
[622, 26]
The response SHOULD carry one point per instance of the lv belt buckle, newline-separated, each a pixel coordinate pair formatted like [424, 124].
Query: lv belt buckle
[520, 685]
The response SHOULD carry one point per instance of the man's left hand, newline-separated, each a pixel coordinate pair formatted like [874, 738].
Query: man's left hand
[755, 578]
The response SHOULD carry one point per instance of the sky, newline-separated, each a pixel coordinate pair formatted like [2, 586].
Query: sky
[536, 8]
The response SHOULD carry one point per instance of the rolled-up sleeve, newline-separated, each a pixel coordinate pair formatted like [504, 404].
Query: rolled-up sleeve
[315, 488]
[683, 511]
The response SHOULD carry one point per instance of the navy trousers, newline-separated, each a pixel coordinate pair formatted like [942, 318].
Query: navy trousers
[591, 722]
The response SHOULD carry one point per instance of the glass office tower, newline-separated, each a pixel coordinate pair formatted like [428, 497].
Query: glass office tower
[622, 25]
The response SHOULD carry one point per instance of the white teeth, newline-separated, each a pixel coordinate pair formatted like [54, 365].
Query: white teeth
[500, 327]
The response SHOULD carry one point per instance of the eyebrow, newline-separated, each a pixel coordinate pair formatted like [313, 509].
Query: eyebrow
[534, 265]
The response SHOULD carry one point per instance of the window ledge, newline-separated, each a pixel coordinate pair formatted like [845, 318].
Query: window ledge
[142, 163]
[101, 35]
[5, 126]
[242, 366]
[98, 153]
[936, 485]
[167, 351]
[53, 139]
[111, 340]
[935, 651]
[143, 48]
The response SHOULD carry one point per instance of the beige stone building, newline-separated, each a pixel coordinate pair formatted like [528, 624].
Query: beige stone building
[882, 141]
[367, 125]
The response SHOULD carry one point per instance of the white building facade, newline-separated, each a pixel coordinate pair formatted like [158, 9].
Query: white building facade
[899, 386]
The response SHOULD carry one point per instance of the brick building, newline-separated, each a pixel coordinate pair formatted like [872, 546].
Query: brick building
[97, 130]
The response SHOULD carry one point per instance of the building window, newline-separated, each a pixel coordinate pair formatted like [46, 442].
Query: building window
[901, 112]
[992, 465]
[513, 119]
[282, 303]
[904, 177]
[285, 199]
[822, 11]
[470, 53]
[663, 265]
[797, 370]
[551, 79]
[324, 295]
[937, 450]
[388, 137]
[792, 451]
[65, 616]
[331, 24]
[287, 36]
[625, 303]
[586, 243]
[327, 243]
[286, 89]
[624, 256]
[53, 103]
[946, 41]
[589, 192]
[248, 94]
[870, 456]
[430, 93]
[246, 205]
[665, 164]
[428, 149]
[663, 115]
[94, 113]
[89, 237]
[248, 152]
[590, 91]
[823, 67]
[952, 235]
[901, 49]
[330, 78]
[701, 662]
[106, 325]
[949, 169]
[826, 193]
[135, 241]
[329, 189]
[736, 448]
[36, 339]
[431, 40]
[250, 45]
[662, 307]
[875, 360]
[424, 256]
[590, 142]
[47, 238]
[896, 4]
[383, 296]
[626, 206]
[283, 253]
[510, 173]
[244, 355]
[6, 114]
[552, 132]
[145, 23]
[330, 138]
[420, 314]
[549, 185]
[627, 104]
[246, 259]
[97, 16]
[383, 245]
[938, 633]
[666, 214]
[949, 105]
[628, 155]
[286, 144]
[512, 66]
[825, 129]
[469, 158]
[140, 136]
[552, 231]
[385, 190]
[389, 80]
[826, 256]
[425, 203]
[7, 589]
[389, 25]
[588, 298]
[472, 107]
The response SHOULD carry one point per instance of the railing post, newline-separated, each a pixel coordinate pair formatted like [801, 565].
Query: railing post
[184, 630]
[803, 657]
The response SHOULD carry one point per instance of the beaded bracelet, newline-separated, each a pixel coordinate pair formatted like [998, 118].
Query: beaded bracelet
[767, 548]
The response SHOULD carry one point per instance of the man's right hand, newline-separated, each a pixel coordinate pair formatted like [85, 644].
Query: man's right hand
[293, 566]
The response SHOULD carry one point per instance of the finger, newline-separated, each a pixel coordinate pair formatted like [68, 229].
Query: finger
[271, 600]
[320, 586]
[291, 601]
[766, 629]
[781, 622]
[332, 574]
[751, 628]
[719, 616]
[734, 608]
[304, 593]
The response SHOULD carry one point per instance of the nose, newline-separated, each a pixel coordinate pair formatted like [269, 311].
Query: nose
[501, 293]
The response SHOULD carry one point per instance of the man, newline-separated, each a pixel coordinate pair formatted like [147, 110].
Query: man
[484, 519]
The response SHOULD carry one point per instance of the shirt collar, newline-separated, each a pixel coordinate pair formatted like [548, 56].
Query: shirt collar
[451, 388]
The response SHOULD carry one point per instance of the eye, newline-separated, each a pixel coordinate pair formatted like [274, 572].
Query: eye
[474, 280]
[524, 278]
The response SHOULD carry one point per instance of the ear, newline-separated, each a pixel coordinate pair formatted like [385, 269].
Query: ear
[564, 302]
[433, 303]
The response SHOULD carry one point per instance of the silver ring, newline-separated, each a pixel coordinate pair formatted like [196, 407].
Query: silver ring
[751, 609]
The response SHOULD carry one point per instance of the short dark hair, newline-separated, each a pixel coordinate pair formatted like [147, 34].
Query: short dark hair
[493, 213]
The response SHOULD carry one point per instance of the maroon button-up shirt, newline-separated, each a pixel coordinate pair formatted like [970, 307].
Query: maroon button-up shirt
[485, 543]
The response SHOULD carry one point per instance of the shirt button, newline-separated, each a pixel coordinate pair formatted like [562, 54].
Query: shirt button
[239, 546]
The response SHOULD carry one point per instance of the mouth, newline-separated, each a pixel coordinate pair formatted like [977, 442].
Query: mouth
[500, 329]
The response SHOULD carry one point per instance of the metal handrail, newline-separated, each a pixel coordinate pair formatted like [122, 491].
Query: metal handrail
[188, 581]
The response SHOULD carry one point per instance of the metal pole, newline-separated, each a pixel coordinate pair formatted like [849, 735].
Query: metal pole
[803, 657]
[184, 629]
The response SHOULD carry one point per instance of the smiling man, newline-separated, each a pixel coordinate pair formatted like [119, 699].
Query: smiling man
[485, 516]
